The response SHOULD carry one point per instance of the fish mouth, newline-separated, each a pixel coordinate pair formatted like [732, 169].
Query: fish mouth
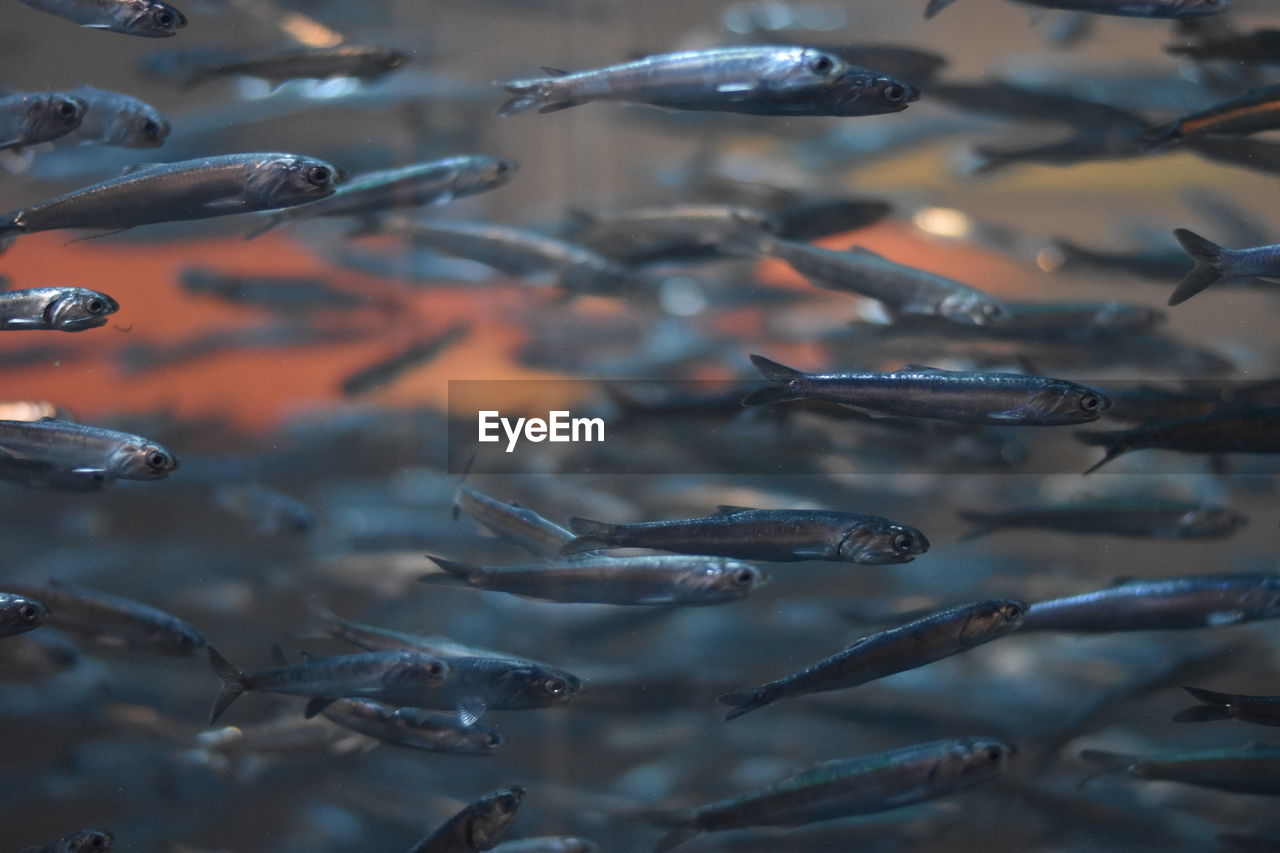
[79, 324]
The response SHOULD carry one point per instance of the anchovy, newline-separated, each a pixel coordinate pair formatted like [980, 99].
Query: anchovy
[1260, 47]
[62, 309]
[30, 119]
[549, 844]
[1006, 399]
[172, 192]
[836, 789]
[82, 841]
[278, 293]
[781, 535]
[665, 234]
[900, 288]
[668, 580]
[433, 182]
[86, 450]
[397, 678]
[1137, 518]
[1254, 769]
[757, 80]
[1108, 143]
[1213, 262]
[515, 523]
[1231, 431]
[20, 614]
[1120, 8]
[479, 826]
[908, 646]
[386, 371]
[311, 63]
[112, 620]
[1156, 265]
[413, 728]
[117, 119]
[1252, 112]
[1262, 710]
[1073, 320]
[147, 18]
[1161, 604]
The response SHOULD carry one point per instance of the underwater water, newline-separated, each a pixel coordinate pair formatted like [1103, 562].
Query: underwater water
[765, 380]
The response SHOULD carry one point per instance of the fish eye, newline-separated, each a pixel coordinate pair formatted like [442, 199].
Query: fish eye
[903, 543]
[744, 576]
[554, 686]
[822, 65]
[164, 18]
[503, 167]
[894, 94]
[994, 753]
[95, 306]
[158, 459]
[1089, 403]
[435, 669]
[151, 129]
[28, 613]
[319, 175]
[66, 109]
[1011, 611]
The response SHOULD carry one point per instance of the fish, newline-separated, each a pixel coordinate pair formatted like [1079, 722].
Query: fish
[1259, 47]
[30, 119]
[269, 511]
[670, 233]
[479, 826]
[395, 677]
[276, 293]
[81, 841]
[1263, 710]
[413, 728]
[537, 535]
[1253, 769]
[1006, 399]
[762, 80]
[1154, 264]
[418, 185]
[1253, 112]
[549, 844]
[1213, 263]
[85, 450]
[908, 646]
[186, 190]
[1141, 518]
[1023, 103]
[1068, 321]
[112, 621]
[364, 62]
[779, 535]
[657, 580]
[1161, 604]
[1084, 147]
[62, 309]
[113, 118]
[387, 371]
[1122, 8]
[20, 614]
[900, 288]
[845, 787]
[146, 18]
[326, 623]
[1244, 430]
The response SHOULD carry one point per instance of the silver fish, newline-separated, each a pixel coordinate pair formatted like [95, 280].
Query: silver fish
[117, 119]
[364, 62]
[1253, 769]
[19, 614]
[1161, 604]
[38, 117]
[479, 826]
[191, 189]
[515, 523]
[147, 18]
[83, 841]
[72, 447]
[758, 80]
[1262, 710]
[1213, 263]
[63, 309]
[413, 728]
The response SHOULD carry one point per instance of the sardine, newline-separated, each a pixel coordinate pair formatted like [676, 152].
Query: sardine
[908, 646]
[413, 728]
[1233, 431]
[665, 234]
[113, 118]
[1154, 264]
[386, 371]
[397, 678]
[112, 620]
[1252, 112]
[83, 841]
[1263, 710]
[836, 789]
[433, 182]
[147, 18]
[1005, 399]
[1161, 604]
[20, 614]
[521, 525]
[1121, 8]
[1213, 263]
[1253, 769]
[29, 119]
[171, 192]
[782, 535]
[63, 309]
[479, 826]
[1137, 518]
[666, 580]
[86, 450]
[364, 62]
[758, 80]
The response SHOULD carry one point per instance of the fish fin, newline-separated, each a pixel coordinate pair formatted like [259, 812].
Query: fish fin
[681, 824]
[1209, 268]
[233, 684]
[730, 509]
[774, 372]
[268, 222]
[1015, 414]
[590, 535]
[745, 701]
[936, 6]
[542, 94]
[470, 711]
[1112, 762]
[767, 397]
[17, 162]
[316, 705]
[922, 368]
[1212, 697]
[1202, 714]
[1115, 445]
[453, 571]
[554, 72]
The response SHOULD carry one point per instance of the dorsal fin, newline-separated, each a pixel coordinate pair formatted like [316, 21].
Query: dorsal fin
[555, 72]
[923, 368]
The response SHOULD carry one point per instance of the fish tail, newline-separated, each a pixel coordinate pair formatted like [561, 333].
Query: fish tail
[590, 535]
[936, 6]
[1210, 266]
[541, 93]
[451, 573]
[1111, 762]
[1216, 707]
[982, 524]
[233, 684]
[1115, 444]
[265, 224]
[750, 699]
[681, 824]
[783, 376]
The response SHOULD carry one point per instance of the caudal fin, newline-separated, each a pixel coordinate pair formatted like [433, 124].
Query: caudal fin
[936, 6]
[267, 222]
[784, 377]
[744, 701]
[590, 535]
[1216, 707]
[1209, 268]
[451, 573]
[1115, 443]
[233, 684]
[681, 824]
[542, 93]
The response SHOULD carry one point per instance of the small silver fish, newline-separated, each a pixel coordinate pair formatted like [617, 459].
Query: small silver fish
[113, 620]
[118, 119]
[62, 309]
[1213, 263]
[413, 727]
[29, 119]
[479, 826]
[147, 18]
[65, 446]
[521, 525]
[364, 62]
